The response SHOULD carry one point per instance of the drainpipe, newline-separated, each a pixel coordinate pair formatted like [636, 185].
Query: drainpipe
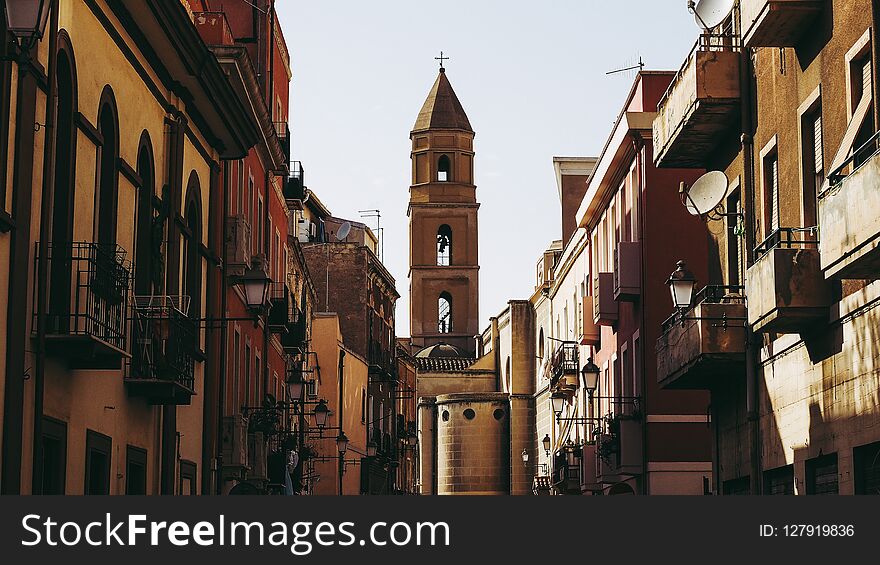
[341, 383]
[752, 346]
[641, 163]
[42, 267]
[223, 350]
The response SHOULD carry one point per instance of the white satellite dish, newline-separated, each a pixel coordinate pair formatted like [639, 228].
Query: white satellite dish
[706, 194]
[710, 13]
[343, 231]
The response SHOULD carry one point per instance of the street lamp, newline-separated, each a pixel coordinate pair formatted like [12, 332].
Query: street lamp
[558, 403]
[546, 444]
[525, 458]
[342, 444]
[412, 439]
[255, 285]
[372, 449]
[321, 412]
[26, 20]
[590, 374]
[681, 285]
[295, 384]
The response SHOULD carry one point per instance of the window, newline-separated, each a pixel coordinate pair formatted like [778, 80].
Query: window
[737, 487]
[862, 88]
[445, 313]
[771, 192]
[258, 371]
[444, 169]
[239, 208]
[779, 481]
[108, 154]
[363, 405]
[247, 375]
[860, 130]
[5, 88]
[866, 467]
[637, 365]
[236, 370]
[192, 255]
[143, 275]
[822, 475]
[188, 478]
[258, 224]
[541, 343]
[444, 246]
[53, 466]
[812, 156]
[98, 450]
[734, 239]
[135, 470]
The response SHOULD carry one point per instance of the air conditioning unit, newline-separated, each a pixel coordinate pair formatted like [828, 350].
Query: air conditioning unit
[627, 271]
[257, 457]
[238, 242]
[235, 442]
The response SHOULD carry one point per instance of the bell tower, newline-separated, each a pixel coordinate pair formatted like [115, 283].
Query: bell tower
[443, 250]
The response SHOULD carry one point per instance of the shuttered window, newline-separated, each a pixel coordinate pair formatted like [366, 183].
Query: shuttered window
[817, 144]
[822, 476]
[771, 193]
[866, 78]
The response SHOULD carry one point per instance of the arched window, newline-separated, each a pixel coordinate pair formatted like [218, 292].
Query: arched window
[444, 169]
[107, 171]
[444, 325]
[541, 344]
[192, 258]
[444, 246]
[62, 206]
[143, 274]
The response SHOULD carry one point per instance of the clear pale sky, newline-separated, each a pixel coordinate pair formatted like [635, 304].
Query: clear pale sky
[531, 76]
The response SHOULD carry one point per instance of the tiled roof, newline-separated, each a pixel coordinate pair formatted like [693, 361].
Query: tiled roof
[441, 364]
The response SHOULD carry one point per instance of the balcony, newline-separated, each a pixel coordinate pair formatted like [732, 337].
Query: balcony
[604, 306]
[620, 448]
[850, 244]
[381, 361]
[234, 447]
[238, 243]
[705, 343]
[295, 337]
[627, 271]
[787, 292]
[295, 185]
[590, 469]
[700, 104]
[776, 23]
[565, 368]
[88, 299]
[566, 478]
[162, 368]
[282, 308]
[592, 333]
[213, 28]
[282, 131]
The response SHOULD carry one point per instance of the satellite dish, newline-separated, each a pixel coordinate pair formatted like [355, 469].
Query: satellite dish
[710, 13]
[706, 194]
[343, 231]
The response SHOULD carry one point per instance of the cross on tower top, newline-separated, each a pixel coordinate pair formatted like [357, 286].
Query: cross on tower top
[441, 58]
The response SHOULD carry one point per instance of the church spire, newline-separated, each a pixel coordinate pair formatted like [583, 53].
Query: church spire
[442, 109]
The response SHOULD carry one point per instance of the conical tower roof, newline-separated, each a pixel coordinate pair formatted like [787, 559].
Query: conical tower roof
[442, 110]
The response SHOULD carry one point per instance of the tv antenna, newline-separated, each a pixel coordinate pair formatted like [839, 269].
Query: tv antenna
[710, 13]
[380, 231]
[705, 197]
[640, 66]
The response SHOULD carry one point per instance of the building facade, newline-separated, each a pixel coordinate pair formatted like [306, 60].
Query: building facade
[792, 377]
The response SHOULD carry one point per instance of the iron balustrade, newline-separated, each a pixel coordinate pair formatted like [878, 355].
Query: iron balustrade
[88, 291]
[282, 309]
[166, 343]
[858, 158]
[786, 238]
[565, 361]
[710, 294]
[296, 182]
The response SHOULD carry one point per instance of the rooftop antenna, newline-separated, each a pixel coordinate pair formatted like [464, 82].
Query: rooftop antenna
[640, 66]
[379, 229]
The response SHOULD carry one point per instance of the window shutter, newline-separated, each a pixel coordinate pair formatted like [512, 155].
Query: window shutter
[866, 78]
[817, 144]
[774, 194]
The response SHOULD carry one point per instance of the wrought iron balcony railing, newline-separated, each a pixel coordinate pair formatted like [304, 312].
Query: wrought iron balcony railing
[87, 302]
[565, 362]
